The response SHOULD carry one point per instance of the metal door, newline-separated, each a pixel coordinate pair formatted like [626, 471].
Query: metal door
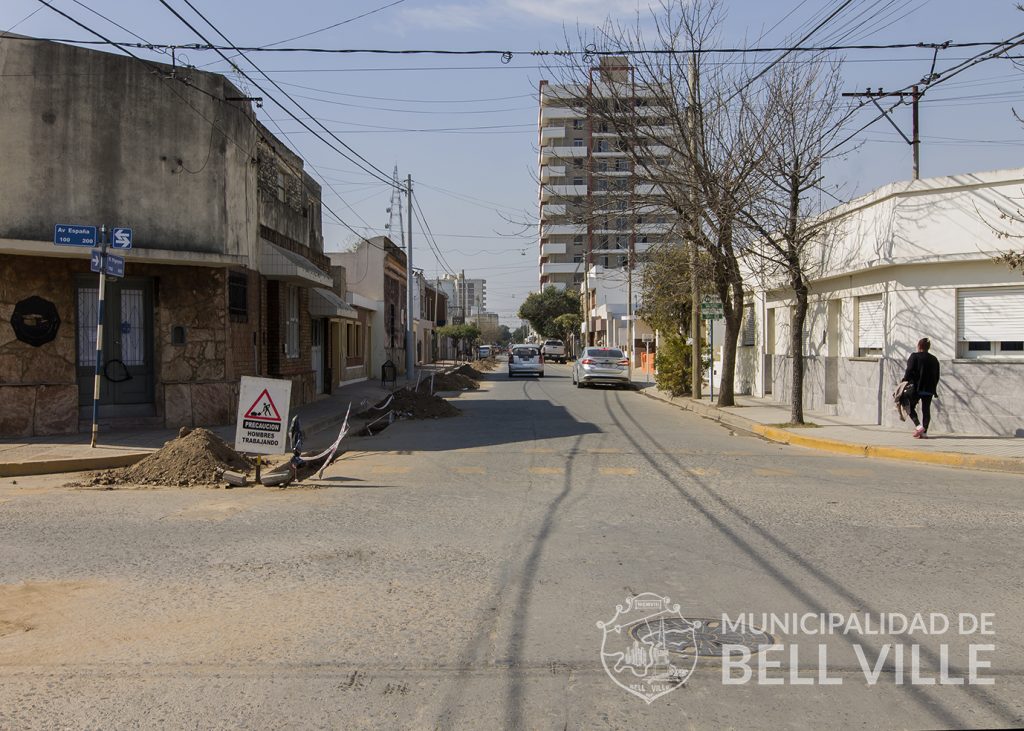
[127, 359]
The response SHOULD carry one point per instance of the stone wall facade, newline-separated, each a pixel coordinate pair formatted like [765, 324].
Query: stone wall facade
[200, 348]
[38, 389]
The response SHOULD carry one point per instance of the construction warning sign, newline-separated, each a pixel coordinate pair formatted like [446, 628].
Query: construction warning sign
[262, 423]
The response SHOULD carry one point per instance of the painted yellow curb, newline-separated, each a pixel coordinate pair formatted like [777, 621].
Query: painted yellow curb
[71, 464]
[784, 436]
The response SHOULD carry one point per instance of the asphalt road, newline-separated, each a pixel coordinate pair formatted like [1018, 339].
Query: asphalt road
[452, 574]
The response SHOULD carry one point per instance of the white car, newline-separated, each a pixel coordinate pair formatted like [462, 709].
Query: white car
[525, 358]
[601, 365]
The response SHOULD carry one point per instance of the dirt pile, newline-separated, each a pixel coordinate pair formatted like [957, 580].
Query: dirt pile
[469, 371]
[487, 364]
[449, 382]
[194, 458]
[414, 405]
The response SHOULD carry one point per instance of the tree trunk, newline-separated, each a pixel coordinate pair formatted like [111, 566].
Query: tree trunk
[796, 415]
[733, 310]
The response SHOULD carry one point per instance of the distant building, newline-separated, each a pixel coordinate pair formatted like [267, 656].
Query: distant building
[587, 182]
[466, 297]
[377, 284]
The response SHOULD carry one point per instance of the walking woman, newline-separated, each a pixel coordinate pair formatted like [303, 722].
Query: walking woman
[923, 373]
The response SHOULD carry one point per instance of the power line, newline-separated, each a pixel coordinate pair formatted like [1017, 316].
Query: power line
[335, 25]
[587, 52]
[381, 174]
[422, 218]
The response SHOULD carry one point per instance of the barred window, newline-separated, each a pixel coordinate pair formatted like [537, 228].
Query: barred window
[238, 296]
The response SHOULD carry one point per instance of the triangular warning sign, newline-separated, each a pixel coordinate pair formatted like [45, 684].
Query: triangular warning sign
[263, 408]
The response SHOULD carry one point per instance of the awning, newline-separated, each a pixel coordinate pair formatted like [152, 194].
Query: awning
[325, 303]
[278, 263]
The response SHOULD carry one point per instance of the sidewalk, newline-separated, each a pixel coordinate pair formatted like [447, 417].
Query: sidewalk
[834, 434]
[72, 453]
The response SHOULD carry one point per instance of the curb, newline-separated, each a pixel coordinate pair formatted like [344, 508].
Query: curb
[835, 446]
[70, 464]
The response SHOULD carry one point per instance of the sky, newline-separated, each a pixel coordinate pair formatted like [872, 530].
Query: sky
[464, 127]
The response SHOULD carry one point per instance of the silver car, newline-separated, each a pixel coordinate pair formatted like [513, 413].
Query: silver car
[525, 358]
[601, 365]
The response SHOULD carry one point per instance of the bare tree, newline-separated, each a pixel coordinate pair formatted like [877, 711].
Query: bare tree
[807, 115]
[692, 138]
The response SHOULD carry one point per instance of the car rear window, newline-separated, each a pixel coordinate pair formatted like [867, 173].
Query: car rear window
[605, 353]
[553, 342]
[525, 352]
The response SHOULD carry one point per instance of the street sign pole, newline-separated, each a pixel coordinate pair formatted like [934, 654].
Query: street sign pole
[711, 370]
[99, 341]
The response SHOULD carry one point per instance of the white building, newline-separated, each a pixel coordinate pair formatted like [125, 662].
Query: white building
[910, 260]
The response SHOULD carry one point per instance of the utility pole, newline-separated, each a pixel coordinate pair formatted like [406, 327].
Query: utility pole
[695, 370]
[915, 95]
[630, 313]
[410, 333]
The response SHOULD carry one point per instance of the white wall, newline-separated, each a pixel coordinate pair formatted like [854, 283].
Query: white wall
[914, 244]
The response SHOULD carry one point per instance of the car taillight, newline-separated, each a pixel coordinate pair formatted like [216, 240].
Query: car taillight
[587, 361]
[624, 362]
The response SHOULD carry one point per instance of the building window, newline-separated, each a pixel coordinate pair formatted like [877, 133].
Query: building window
[870, 322]
[238, 296]
[577, 142]
[749, 330]
[990, 322]
[577, 241]
[354, 340]
[577, 124]
[577, 259]
[577, 181]
[291, 331]
[282, 192]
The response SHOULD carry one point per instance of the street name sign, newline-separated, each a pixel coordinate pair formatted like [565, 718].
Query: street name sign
[262, 424]
[68, 234]
[113, 265]
[121, 238]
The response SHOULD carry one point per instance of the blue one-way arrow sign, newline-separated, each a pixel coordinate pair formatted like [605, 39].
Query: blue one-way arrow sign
[96, 261]
[121, 238]
[67, 234]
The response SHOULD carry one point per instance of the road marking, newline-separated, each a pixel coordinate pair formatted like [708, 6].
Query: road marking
[617, 471]
[547, 470]
[764, 472]
[390, 470]
[470, 470]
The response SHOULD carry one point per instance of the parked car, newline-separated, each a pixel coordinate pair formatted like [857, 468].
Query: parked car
[525, 358]
[601, 365]
[554, 350]
[484, 351]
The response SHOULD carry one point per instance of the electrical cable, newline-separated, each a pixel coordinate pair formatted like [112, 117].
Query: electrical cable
[382, 175]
